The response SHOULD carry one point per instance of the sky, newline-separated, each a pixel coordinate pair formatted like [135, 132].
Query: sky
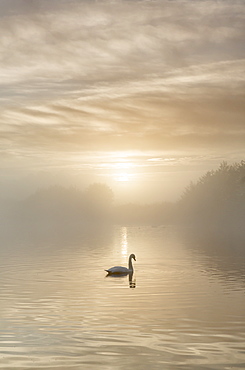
[144, 96]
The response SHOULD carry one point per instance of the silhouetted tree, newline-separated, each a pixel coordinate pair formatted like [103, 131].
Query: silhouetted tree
[55, 206]
[218, 197]
[100, 194]
[99, 199]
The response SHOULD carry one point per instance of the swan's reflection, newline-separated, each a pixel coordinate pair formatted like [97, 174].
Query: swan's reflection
[131, 281]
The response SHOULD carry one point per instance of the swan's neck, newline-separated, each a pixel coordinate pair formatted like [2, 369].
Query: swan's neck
[130, 265]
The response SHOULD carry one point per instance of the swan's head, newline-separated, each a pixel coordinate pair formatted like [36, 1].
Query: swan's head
[132, 256]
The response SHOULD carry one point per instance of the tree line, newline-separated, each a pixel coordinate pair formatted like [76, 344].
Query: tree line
[217, 198]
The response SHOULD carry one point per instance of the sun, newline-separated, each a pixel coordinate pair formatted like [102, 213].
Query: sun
[120, 171]
[124, 176]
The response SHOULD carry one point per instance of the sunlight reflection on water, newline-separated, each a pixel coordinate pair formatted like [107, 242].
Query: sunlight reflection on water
[58, 309]
[124, 241]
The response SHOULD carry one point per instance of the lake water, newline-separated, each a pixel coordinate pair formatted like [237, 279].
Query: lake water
[184, 307]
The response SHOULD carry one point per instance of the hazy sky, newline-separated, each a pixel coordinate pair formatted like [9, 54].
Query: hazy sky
[142, 95]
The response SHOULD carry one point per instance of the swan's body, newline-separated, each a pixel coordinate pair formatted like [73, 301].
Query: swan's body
[122, 270]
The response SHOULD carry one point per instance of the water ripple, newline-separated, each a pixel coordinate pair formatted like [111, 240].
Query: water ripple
[58, 311]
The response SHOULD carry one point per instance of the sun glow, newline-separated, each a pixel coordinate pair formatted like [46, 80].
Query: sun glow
[122, 177]
[123, 165]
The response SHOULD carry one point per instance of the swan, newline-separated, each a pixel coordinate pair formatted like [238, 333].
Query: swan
[123, 270]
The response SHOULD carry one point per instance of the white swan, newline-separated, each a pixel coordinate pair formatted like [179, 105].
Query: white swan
[123, 270]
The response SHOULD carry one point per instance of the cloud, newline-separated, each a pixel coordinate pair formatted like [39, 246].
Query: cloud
[106, 76]
[92, 43]
[203, 100]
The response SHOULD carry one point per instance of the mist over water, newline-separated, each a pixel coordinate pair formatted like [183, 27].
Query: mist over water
[182, 309]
